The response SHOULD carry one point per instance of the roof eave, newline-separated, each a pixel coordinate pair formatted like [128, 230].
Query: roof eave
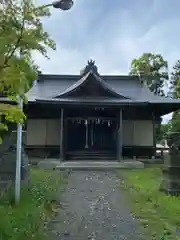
[90, 102]
[164, 108]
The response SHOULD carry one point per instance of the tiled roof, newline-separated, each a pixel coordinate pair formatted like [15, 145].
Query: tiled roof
[50, 86]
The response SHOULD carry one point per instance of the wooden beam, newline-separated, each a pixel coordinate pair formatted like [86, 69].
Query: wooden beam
[61, 135]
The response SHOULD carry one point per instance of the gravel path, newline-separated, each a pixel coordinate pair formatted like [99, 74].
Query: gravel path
[93, 208]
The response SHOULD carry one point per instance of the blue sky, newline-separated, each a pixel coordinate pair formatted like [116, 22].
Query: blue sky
[112, 32]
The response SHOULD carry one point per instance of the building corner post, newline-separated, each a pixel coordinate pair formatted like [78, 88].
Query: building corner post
[61, 136]
[154, 135]
[120, 135]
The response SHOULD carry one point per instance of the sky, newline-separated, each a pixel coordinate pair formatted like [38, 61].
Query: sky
[111, 32]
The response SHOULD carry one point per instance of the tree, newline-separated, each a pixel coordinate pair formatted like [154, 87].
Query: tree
[175, 87]
[175, 80]
[174, 123]
[163, 132]
[21, 32]
[153, 69]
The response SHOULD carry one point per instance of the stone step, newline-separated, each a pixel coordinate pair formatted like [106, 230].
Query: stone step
[90, 155]
[91, 158]
[89, 165]
[99, 165]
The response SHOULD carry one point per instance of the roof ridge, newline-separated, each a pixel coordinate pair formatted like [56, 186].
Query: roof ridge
[46, 77]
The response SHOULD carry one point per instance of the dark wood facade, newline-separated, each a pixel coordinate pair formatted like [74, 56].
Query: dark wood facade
[93, 128]
[98, 113]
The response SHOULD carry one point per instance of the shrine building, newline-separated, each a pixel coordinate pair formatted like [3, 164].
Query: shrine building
[92, 116]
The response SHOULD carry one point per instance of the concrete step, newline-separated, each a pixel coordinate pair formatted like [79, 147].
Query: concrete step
[103, 165]
[90, 165]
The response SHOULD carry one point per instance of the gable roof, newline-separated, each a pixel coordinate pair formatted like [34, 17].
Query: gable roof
[87, 78]
[50, 86]
[124, 90]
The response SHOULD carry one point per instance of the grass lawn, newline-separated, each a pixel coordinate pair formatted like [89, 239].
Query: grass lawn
[158, 214]
[28, 220]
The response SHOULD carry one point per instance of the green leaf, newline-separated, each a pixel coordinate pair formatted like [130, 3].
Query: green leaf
[153, 69]
[21, 30]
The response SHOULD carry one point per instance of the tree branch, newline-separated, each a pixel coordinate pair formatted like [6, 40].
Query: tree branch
[10, 54]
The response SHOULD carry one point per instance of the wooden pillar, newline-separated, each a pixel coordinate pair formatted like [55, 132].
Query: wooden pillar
[87, 133]
[120, 135]
[61, 135]
[154, 134]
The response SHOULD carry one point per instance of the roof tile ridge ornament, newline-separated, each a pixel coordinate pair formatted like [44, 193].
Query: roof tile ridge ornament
[90, 67]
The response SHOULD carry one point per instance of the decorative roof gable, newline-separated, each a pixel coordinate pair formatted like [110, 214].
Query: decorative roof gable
[91, 85]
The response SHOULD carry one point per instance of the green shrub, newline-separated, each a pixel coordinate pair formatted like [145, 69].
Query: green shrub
[28, 220]
[158, 213]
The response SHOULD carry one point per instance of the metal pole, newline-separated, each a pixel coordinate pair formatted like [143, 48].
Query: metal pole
[18, 157]
[18, 150]
[19, 130]
[45, 6]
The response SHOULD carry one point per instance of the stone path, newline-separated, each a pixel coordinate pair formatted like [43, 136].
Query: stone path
[93, 208]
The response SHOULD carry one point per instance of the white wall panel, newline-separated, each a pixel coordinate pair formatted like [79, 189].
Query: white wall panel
[53, 132]
[36, 132]
[128, 132]
[143, 133]
[137, 133]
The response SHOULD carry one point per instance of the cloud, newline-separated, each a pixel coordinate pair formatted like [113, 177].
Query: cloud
[112, 33]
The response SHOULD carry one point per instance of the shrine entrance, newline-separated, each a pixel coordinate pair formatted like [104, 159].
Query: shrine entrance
[91, 133]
